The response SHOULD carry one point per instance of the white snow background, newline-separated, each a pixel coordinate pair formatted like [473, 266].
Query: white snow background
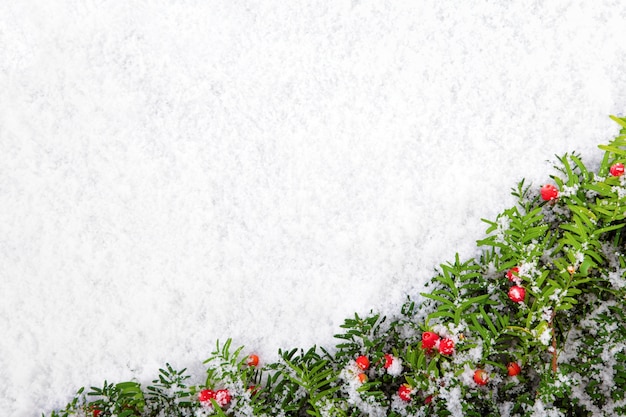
[177, 172]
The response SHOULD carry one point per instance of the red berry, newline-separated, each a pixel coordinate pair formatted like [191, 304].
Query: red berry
[362, 362]
[617, 170]
[96, 412]
[362, 378]
[549, 192]
[446, 346]
[481, 377]
[404, 392]
[513, 272]
[517, 294]
[429, 339]
[222, 396]
[206, 395]
[428, 399]
[388, 361]
[253, 360]
[513, 368]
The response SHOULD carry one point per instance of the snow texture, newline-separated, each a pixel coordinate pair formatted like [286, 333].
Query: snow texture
[177, 172]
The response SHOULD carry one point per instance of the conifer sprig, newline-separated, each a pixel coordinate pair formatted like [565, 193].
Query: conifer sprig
[533, 326]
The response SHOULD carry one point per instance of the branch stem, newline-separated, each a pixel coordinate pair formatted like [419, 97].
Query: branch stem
[554, 353]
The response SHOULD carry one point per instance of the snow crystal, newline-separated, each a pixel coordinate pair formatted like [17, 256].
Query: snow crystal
[396, 367]
[351, 388]
[616, 278]
[584, 398]
[503, 224]
[546, 314]
[529, 269]
[545, 337]
[505, 408]
[540, 410]
[556, 295]
[616, 272]
[621, 190]
[467, 376]
[453, 400]
[472, 355]
[450, 331]
[398, 405]
[567, 190]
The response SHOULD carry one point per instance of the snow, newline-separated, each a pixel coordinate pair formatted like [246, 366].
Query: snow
[177, 172]
[395, 368]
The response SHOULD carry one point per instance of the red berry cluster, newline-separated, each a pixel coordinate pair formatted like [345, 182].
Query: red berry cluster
[363, 363]
[388, 361]
[253, 360]
[481, 377]
[405, 392]
[430, 340]
[513, 369]
[513, 274]
[617, 170]
[221, 396]
[446, 347]
[516, 293]
[549, 192]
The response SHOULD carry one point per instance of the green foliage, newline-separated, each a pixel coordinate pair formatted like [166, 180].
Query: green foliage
[169, 395]
[564, 326]
[312, 381]
[73, 407]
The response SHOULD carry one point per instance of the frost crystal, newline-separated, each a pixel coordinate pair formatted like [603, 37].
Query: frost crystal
[569, 190]
[620, 191]
[396, 367]
[454, 401]
[546, 314]
[540, 410]
[556, 295]
[367, 405]
[545, 337]
[504, 222]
